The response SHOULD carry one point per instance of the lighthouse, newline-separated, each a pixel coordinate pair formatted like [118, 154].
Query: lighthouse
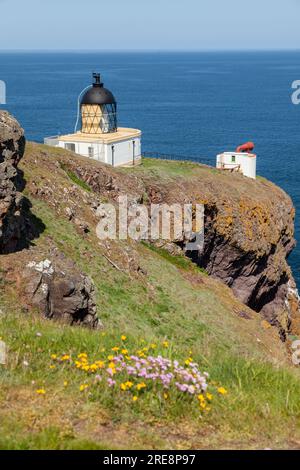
[96, 133]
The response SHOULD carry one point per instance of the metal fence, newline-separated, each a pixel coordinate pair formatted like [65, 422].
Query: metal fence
[186, 158]
[53, 141]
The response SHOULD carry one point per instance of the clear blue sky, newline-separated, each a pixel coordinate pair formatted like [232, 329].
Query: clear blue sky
[150, 24]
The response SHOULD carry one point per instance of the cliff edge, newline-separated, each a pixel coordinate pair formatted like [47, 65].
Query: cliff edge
[249, 225]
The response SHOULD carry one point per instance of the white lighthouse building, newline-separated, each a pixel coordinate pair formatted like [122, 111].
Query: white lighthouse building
[99, 136]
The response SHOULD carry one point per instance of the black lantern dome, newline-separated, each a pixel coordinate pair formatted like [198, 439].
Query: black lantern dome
[98, 109]
[98, 94]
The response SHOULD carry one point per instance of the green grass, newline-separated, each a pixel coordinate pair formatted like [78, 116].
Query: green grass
[174, 301]
[177, 260]
[50, 438]
[73, 177]
[263, 402]
[169, 168]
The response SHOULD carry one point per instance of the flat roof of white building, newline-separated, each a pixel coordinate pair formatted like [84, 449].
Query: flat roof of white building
[123, 133]
[239, 154]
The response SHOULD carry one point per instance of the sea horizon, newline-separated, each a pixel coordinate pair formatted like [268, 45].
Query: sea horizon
[108, 51]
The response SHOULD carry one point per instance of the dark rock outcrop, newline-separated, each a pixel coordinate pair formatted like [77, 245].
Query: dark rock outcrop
[12, 204]
[60, 291]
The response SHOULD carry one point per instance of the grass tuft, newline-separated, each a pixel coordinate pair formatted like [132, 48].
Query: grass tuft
[75, 178]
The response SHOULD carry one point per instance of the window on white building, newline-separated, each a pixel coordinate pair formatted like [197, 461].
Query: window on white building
[70, 147]
[233, 159]
[91, 152]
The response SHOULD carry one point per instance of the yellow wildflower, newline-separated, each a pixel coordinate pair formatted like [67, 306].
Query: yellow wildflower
[53, 356]
[134, 398]
[65, 383]
[100, 364]
[166, 396]
[124, 351]
[115, 349]
[141, 353]
[83, 387]
[52, 367]
[126, 385]
[41, 391]
[82, 355]
[222, 391]
[209, 396]
[188, 361]
[165, 344]
[110, 357]
[65, 357]
[152, 346]
[123, 338]
[141, 386]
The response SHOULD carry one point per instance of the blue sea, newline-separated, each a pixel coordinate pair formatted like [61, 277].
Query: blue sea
[195, 104]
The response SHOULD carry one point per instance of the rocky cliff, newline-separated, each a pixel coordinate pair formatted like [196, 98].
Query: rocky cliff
[54, 286]
[249, 227]
[247, 243]
[12, 220]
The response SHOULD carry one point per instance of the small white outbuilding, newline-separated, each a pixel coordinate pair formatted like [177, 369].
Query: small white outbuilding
[242, 162]
[99, 136]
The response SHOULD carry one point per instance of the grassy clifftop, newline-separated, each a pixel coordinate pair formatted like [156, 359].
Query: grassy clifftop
[150, 303]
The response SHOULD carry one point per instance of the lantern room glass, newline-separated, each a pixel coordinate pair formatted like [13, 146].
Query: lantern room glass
[99, 119]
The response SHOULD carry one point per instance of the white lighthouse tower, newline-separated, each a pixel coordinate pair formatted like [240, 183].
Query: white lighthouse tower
[99, 136]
